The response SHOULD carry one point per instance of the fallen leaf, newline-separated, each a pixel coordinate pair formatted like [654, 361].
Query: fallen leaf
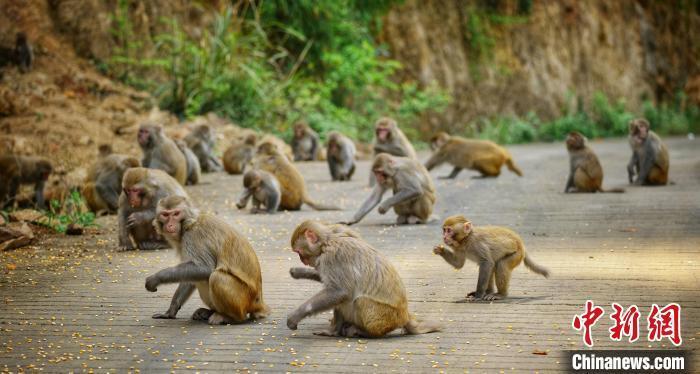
[541, 353]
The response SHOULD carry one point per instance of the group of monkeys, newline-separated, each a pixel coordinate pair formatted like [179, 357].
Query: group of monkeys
[361, 286]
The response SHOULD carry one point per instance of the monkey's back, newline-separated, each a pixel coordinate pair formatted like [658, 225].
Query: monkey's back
[498, 238]
[170, 155]
[290, 179]
[463, 152]
[588, 175]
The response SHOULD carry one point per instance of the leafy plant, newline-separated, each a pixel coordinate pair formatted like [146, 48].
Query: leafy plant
[71, 213]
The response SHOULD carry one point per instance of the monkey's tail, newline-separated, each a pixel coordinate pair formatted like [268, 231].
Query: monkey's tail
[616, 190]
[511, 166]
[414, 327]
[318, 206]
[541, 270]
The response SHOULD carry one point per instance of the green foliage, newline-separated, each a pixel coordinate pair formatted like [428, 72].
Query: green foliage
[72, 212]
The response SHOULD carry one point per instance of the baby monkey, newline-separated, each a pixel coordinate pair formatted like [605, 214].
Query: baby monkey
[497, 251]
[265, 190]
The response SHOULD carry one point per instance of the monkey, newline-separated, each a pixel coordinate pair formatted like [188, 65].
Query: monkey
[484, 156]
[161, 152]
[103, 181]
[414, 193]
[265, 190]
[360, 285]
[142, 188]
[282, 147]
[305, 142]
[585, 172]
[292, 185]
[215, 259]
[438, 140]
[340, 155]
[390, 139]
[23, 52]
[239, 154]
[194, 169]
[497, 251]
[202, 142]
[650, 160]
[17, 170]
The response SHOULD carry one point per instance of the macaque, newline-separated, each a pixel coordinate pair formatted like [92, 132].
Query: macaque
[360, 285]
[585, 172]
[292, 184]
[239, 154]
[497, 251]
[484, 156]
[341, 156]
[282, 147]
[650, 161]
[305, 142]
[23, 52]
[161, 152]
[142, 188]
[103, 182]
[18, 170]
[264, 188]
[202, 141]
[215, 259]
[194, 168]
[438, 140]
[390, 139]
[414, 193]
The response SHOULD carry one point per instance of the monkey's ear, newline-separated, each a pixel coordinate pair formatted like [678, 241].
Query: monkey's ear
[311, 236]
[467, 226]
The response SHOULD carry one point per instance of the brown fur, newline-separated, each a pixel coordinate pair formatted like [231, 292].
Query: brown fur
[291, 181]
[438, 140]
[484, 156]
[161, 152]
[585, 173]
[395, 143]
[106, 172]
[239, 154]
[497, 250]
[263, 188]
[647, 151]
[18, 170]
[306, 145]
[202, 142]
[362, 287]
[226, 268]
[194, 168]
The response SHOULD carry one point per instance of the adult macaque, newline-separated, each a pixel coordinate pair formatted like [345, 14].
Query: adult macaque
[497, 251]
[202, 142]
[103, 182]
[292, 184]
[18, 170]
[341, 156]
[194, 168]
[390, 139]
[484, 156]
[305, 142]
[142, 188]
[282, 147]
[360, 285]
[215, 259]
[23, 52]
[414, 193]
[264, 188]
[161, 152]
[650, 161]
[438, 140]
[585, 172]
[239, 154]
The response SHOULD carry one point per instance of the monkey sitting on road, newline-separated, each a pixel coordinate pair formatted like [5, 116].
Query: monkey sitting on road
[360, 285]
[497, 251]
[194, 168]
[585, 172]
[202, 142]
[341, 156]
[215, 259]
[390, 139]
[103, 182]
[650, 160]
[239, 154]
[265, 190]
[161, 152]
[18, 170]
[484, 156]
[305, 142]
[414, 193]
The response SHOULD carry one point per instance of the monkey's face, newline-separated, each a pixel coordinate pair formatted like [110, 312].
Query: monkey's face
[144, 137]
[308, 247]
[299, 130]
[575, 141]
[454, 234]
[170, 221]
[383, 132]
[137, 196]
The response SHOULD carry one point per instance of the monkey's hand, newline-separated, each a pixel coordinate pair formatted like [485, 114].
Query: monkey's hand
[382, 209]
[133, 220]
[292, 322]
[240, 206]
[152, 283]
[297, 273]
[439, 249]
[166, 315]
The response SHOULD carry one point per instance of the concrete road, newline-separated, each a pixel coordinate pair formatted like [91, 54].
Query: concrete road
[78, 305]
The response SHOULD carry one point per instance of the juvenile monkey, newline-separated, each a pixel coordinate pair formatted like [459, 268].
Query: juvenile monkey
[103, 182]
[390, 139]
[305, 142]
[484, 156]
[341, 156]
[23, 52]
[360, 285]
[265, 190]
[142, 188]
[215, 259]
[292, 184]
[585, 172]
[202, 142]
[414, 193]
[18, 170]
[497, 251]
[650, 160]
[239, 154]
[161, 152]
[194, 168]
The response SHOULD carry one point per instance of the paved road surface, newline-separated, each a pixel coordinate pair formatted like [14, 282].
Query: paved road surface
[78, 305]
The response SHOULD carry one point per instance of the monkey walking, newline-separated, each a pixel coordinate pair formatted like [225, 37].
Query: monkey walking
[360, 285]
[650, 160]
[585, 172]
[497, 251]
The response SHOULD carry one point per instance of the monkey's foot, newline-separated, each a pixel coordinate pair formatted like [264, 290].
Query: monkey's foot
[202, 314]
[220, 319]
[325, 332]
[401, 219]
[492, 297]
[352, 331]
